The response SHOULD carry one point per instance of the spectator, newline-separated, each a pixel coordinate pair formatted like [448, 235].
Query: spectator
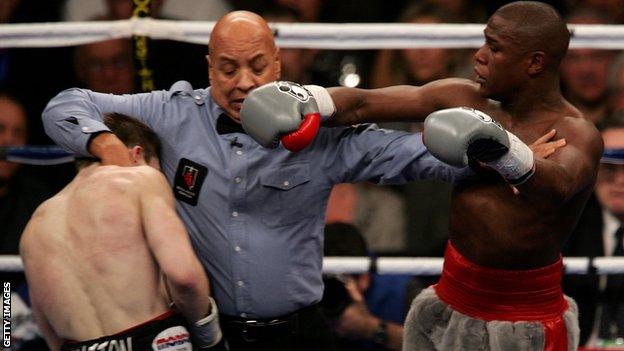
[463, 11]
[295, 61]
[34, 75]
[194, 10]
[377, 212]
[20, 192]
[357, 301]
[167, 61]
[122, 9]
[335, 67]
[349, 11]
[613, 7]
[599, 234]
[616, 84]
[7, 8]
[106, 66]
[585, 72]
[415, 66]
[307, 10]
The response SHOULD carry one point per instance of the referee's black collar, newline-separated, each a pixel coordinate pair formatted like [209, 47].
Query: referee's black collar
[226, 125]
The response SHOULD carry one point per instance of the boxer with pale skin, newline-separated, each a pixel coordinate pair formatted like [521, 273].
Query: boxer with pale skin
[500, 288]
[97, 268]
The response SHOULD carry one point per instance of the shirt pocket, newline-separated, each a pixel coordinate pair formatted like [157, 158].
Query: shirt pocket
[287, 189]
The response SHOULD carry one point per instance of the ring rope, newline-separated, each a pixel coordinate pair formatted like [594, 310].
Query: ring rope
[405, 265]
[36, 155]
[433, 265]
[348, 36]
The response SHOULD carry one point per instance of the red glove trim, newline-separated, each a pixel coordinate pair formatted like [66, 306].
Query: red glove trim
[302, 137]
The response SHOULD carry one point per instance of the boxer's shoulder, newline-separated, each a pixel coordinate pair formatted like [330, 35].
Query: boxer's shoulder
[457, 92]
[576, 128]
[112, 180]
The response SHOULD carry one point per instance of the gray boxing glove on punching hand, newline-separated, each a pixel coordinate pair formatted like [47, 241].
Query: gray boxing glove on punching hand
[456, 135]
[283, 111]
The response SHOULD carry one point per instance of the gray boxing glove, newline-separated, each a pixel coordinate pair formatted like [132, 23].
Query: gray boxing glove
[456, 135]
[283, 111]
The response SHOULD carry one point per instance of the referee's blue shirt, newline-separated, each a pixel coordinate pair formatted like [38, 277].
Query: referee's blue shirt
[255, 215]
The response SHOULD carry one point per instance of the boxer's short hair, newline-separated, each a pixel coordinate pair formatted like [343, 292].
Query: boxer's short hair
[133, 132]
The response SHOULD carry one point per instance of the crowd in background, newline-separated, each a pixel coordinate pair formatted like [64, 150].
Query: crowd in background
[406, 221]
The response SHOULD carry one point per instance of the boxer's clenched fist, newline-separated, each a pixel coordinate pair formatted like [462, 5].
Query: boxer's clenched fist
[456, 135]
[283, 111]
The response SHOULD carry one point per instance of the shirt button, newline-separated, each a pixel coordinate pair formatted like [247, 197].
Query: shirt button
[234, 214]
[286, 183]
[239, 152]
[238, 179]
[240, 283]
[85, 129]
[237, 249]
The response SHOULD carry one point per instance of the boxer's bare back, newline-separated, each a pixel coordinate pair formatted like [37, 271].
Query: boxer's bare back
[93, 243]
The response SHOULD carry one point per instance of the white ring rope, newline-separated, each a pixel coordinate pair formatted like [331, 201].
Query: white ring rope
[433, 265]
[404, 265]
[289, 35]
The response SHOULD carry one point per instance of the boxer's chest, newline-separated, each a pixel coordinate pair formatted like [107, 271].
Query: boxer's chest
[528, 132]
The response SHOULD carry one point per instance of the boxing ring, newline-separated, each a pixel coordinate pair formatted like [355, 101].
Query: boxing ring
[297, 35]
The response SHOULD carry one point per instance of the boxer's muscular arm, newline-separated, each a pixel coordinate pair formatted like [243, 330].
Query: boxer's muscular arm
[171, 247]
[571, 168]
[401, 103]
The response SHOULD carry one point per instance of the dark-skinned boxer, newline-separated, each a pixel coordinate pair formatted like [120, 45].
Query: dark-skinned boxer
[500, 288]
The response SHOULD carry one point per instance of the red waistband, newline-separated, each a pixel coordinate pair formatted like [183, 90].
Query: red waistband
[160, 317]
[498, 294]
